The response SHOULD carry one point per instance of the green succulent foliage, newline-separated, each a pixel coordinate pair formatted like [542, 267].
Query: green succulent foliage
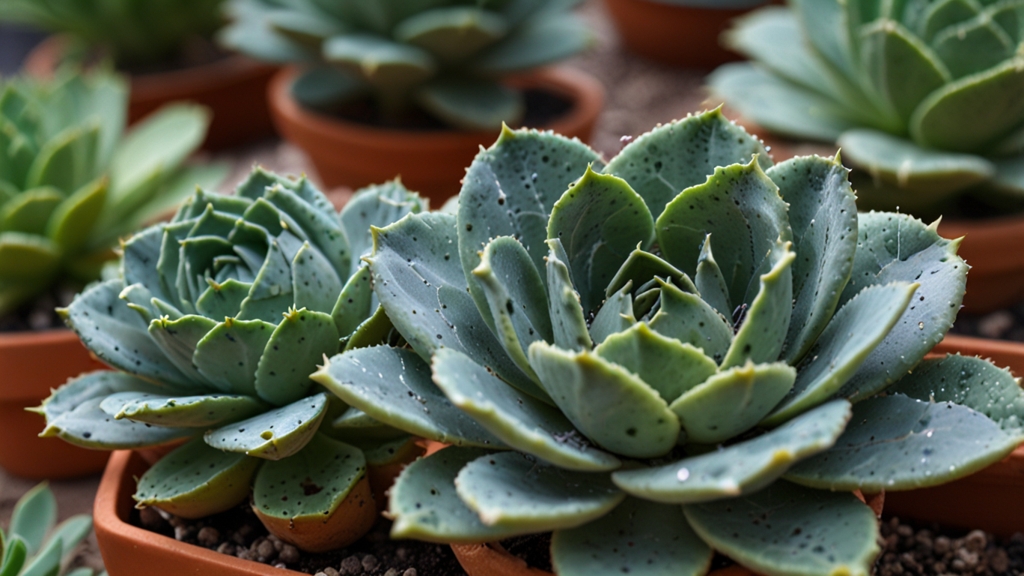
[446, 57]
[683, 350]
[922, 95]
[72, 181]
[133, 33]
[35, 545]
[214, 325]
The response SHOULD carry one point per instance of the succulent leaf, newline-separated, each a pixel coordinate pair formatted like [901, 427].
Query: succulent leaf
[393, 386]
[788, 529]
[471, 103]
[641, 267]
[661, 163]
[616, 315]
[605, 402]
[180, 411]
[33, 517]
[741, 468]
[196, 480]
[354, 303]
[275, 434]
[568, 320]
[522, 422]
[661, 544]
[690, 320]
[512, 491]
[732, 401]
[760, 337]
[900, 65]
[180, 338]
[291, 354]
[709, 281]
[243, 343]
[425, 505]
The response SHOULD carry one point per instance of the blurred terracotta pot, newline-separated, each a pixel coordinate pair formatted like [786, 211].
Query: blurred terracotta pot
[347, 153]
[673, 33]
[233, 88]
[33, 363]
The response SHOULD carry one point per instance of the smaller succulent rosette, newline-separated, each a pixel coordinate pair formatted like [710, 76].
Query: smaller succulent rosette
[218, 320]
[686, 349]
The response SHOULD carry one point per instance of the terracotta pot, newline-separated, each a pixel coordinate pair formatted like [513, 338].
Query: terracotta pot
[989, 499]
[233, 88]
[32, 363]
[674, 34]
[430, 162]
[996, 279]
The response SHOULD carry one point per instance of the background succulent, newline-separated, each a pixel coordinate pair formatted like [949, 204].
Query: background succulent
[683, 350]
[34, 544]
[134, 33]
[924, 96]
[217, 322]
[72, 181]
[446, 56]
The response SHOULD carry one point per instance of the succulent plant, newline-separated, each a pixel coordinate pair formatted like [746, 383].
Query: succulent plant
[133, 33]
[35, 544]
[923, 96]
[683, 350]
[72, 182]
[215, 325]
[445, 56]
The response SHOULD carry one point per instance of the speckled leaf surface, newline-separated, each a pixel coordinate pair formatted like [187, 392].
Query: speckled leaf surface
[509, 190]
[823, 216]
[741, 208]
[394, 386]
[599, 220]
[516, 298]
[318, 224]
[275, 434]
[229, 354]
[354, 303]
[182, 411]
[378, 206]
[762, 333]
[354, 423]
[972, 382]
[665, 364]
[295, 349]
[676, 156]
[179, 338]
[893, 248]
[223, 300]
[311, 484]
[103, 322]
[373, 331]
[511, 490]
[789, 530]
[73, 414]
[615, 315]
[710, 283]
[315, 283]
[854, 332]
[690, 320]
[196, 480]
[612, 407]
[520, 421]
[425, 505]
[641, 267]
[568, 321]
[732, 401]
[419, 282]
[637, 537]
[909, 444]
[741, 468]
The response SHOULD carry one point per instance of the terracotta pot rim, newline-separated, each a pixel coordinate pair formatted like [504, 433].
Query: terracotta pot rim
[179, 83]
[114, 497]
[34, 337]
[18, 343]
[585, 92]
[683, 8]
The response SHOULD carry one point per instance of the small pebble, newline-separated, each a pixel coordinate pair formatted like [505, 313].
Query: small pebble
[227, 548]
[151, 519]
[182, 533]
[409, 572]
[265, 551]
[280, 565]
[329, 571]
[208, 536]
[351, 566]
[391, 572]
[289, 554]
[369, 562]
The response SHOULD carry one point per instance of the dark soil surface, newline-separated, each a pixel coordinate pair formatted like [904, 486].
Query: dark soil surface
[239, 533]
[40, 314]
[542, 108]
[535, 549]
[1006, 324]
[196, 51]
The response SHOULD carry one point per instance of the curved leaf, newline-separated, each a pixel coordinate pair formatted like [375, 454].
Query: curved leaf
[275, 434]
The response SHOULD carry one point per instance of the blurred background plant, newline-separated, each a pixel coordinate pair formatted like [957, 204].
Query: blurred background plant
[72, 181]
[35, 544]
[923, 97]
[444, 57]
[133, 33]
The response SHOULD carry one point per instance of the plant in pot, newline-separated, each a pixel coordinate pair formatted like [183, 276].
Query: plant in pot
[214, 326]
[678, 32]
[72, 181]
[653, 375]
[415, 88]
[35, 544]
[923, 98]
[166, 47]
